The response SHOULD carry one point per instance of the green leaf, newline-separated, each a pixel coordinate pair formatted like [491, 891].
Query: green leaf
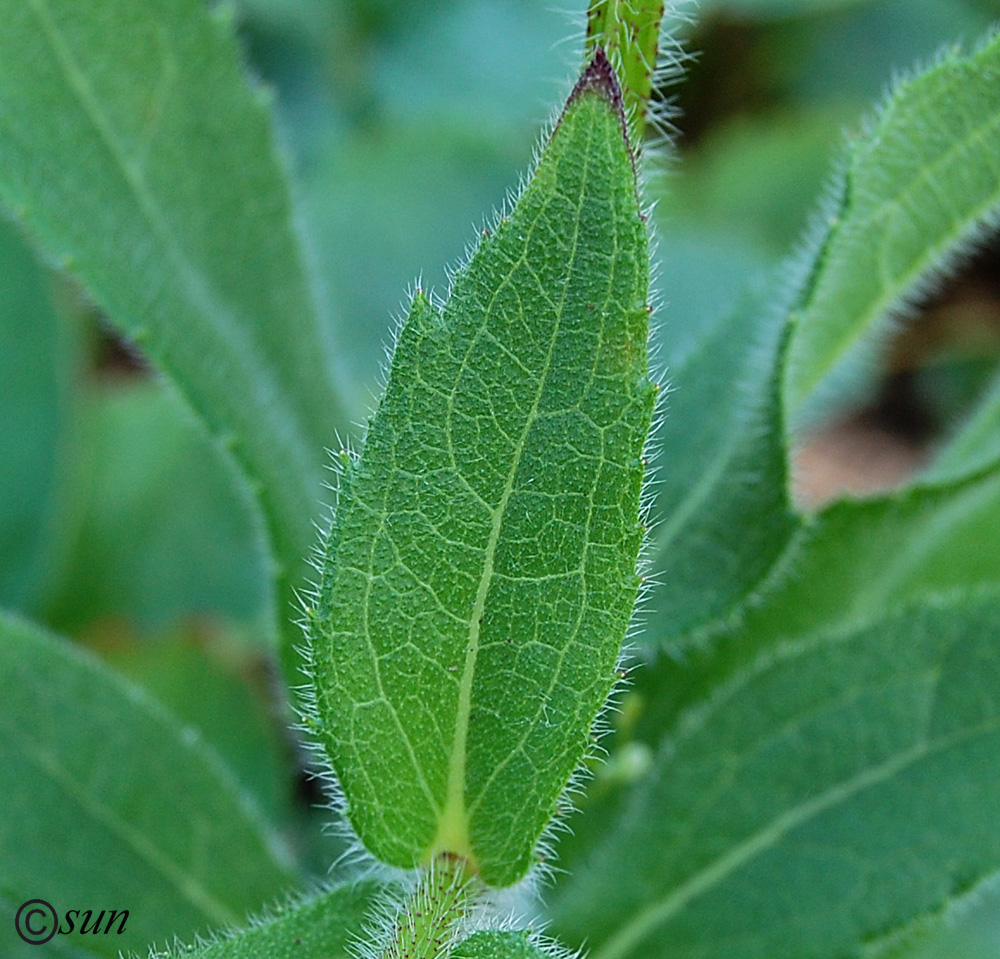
[858, 558]
[968, 927]
[480, 572]
[159, 533]
[320, 928]
[38, 353]
[500, 945]
[916, 190]
[839, 787]
[721, 511]
[133, 149]
[211, 682]
[851, 563]
[106, 802]
[974, 446]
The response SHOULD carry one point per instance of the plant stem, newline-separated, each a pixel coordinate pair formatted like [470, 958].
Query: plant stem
[426, 925]
[629, 32]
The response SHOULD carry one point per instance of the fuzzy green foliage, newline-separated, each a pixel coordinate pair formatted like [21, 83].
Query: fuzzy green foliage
[912, 195]
[321, 927]
[806, 766]
[480, 572]
[104, 766]
[159, 188]
[864, 758]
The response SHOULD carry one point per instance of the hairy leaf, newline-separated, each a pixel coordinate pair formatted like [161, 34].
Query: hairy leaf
[133, 150]
[499, 945]
[917, 187]
[106, 802]
[480, 571]
[840, 786]
[721, 511]
[323, 927]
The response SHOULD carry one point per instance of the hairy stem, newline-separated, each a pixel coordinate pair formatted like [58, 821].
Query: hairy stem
[629, 33]
[426, 925]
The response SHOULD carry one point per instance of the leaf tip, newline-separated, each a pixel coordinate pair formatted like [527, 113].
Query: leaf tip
[599, 76]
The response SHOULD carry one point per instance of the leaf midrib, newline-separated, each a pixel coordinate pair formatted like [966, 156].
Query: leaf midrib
[453, 827]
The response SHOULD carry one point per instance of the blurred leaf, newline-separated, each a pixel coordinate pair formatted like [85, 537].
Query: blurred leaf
[109, 803]
[211, 683]
[856, 559]
[774, 8]
[852, 55]
[161, 533]
[700, 275]
[975, 445]
[410, 203]
[968, 928]
[721, 515]
[757, 176]
[38, 355]
[849, 564]
[328, 926]
[917, 188]
[132, 147]
[838, 787]
[478, 60]
[480, 571]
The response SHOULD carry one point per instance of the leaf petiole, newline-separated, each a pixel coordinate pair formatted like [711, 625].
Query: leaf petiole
[426, 925]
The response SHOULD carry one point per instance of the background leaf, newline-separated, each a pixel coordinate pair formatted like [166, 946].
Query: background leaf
[913, 196]
[323, 927]
[719, 469]
[156, 532]
[109, 803]
[39, 356]
[837, 788]
[134, 151]
[975, 445]
[969, 928]
[856, 559]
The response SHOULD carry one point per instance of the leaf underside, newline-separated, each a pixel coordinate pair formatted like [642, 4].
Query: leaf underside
[481, 568]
